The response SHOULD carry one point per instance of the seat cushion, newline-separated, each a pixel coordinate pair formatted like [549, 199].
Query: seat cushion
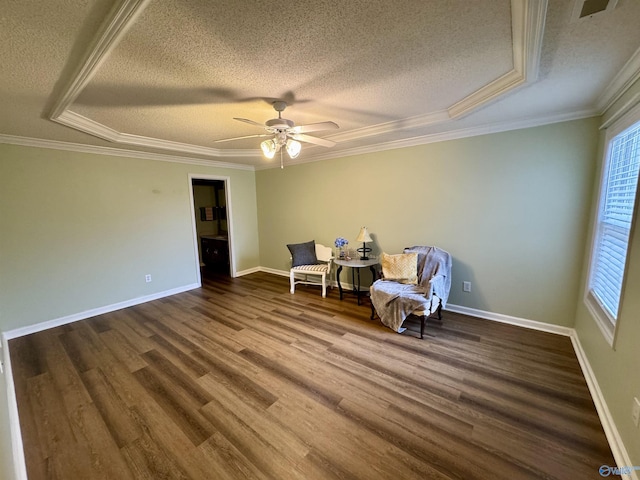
[303, 253]
[319, 268]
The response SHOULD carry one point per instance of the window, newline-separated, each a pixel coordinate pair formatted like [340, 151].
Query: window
[618, 190]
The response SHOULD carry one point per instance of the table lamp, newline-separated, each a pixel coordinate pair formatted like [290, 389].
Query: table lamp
[364, 237]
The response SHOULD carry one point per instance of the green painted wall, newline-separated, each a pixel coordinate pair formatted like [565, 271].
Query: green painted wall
[616, 369]
[79, 231]
[512, 208]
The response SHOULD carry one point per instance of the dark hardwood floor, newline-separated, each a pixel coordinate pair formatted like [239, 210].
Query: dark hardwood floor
[240, 379]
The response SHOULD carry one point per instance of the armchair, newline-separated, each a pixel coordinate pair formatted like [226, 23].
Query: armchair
[313, 259]
[422, 291]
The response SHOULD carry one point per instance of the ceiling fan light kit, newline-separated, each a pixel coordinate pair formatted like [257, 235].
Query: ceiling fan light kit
[269, 148]
[285, 134]
[293, 148]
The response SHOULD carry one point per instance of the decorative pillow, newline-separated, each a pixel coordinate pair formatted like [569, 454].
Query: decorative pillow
[402, 268]
[303, 253]
[422, 258]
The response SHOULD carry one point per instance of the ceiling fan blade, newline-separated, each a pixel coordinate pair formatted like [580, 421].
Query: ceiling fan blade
[315, 127]
[250, 122]
[241, 138]
[315, 140]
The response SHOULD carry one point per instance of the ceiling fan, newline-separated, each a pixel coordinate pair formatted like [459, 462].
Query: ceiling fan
[285, 134]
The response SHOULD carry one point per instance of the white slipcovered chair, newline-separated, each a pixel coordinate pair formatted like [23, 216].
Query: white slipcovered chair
[415, 283]
[310, 259]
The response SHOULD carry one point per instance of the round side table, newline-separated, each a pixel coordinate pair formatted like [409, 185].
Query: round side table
[356, 265]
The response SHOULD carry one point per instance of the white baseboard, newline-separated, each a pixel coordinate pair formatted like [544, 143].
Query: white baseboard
[613, 436]
[17, 448]
[248, 271]
[20, 468]
[38, 327]
[520, 322]
[273, 271]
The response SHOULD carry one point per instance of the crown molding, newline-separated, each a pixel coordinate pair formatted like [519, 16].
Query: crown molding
[116, 152]
[527, 17]
[626, 77]
[489, 93]
[140, 141]
[393, 126]
[409, 142]
[111, 31]
[627, 106]
[445, 136]
[528, 20]
[527, 25]
[87, 125]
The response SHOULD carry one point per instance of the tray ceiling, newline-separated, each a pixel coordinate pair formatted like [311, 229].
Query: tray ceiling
[169, 76]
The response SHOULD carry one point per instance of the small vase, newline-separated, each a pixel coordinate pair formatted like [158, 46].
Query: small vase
[341, 255]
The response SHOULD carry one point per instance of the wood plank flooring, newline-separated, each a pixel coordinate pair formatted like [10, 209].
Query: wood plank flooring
[242, 380]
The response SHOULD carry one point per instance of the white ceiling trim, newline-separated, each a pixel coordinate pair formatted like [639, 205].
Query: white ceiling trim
[393, 126]
[444, 136]
[527, 25]
[628, 105]
[489, 93]
[110, 33]
[411, 142]
[629, 74]
[528, 22]
[115, 152]
[86, 125]
[527, 31]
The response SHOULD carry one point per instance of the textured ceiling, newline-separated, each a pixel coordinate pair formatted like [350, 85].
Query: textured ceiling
[169, 76]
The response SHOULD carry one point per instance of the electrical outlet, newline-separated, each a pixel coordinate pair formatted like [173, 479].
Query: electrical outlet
[466, 286]
[147, 278]
[635, 412]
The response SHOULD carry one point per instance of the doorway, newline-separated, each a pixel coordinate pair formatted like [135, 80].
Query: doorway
[212, 226]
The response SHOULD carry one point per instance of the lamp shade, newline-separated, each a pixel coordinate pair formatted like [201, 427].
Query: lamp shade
[364, 236]
[293, 148]
[269, 148]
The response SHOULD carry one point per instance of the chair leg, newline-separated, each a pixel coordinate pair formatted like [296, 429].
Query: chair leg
[422, 320]
[324, 285]
[293, 282]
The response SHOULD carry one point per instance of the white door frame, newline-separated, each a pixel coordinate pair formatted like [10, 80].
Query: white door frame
[227, 194]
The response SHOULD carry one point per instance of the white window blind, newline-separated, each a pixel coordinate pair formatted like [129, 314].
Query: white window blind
[614, 220]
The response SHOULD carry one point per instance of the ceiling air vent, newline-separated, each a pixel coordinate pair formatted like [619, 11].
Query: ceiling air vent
[589, 8]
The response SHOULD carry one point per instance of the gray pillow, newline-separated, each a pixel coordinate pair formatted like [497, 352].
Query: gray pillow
[303, 253]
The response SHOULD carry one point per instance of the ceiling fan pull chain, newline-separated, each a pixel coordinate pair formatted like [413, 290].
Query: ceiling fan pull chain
[281, 160]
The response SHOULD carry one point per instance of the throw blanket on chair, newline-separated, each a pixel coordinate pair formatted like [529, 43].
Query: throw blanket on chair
[394, 301]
